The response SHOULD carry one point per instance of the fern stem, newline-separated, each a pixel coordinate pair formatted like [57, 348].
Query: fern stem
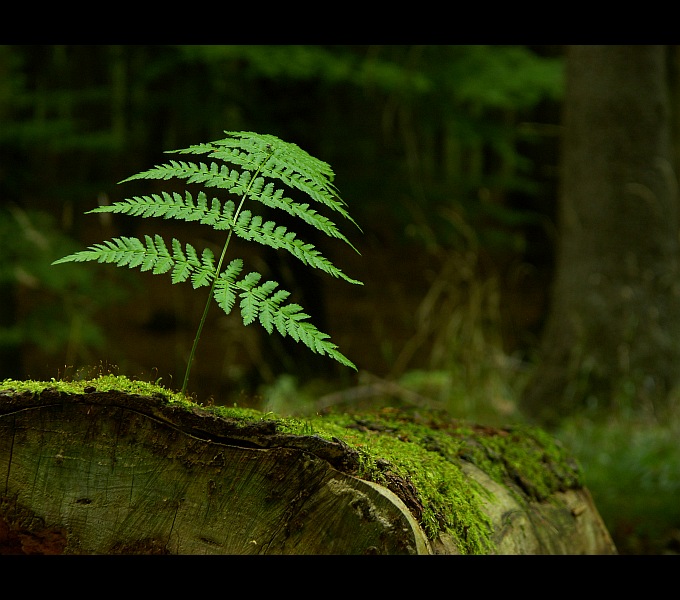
[218, 270]
[205, 312]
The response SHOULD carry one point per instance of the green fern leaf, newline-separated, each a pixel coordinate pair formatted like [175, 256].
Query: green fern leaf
[205, 272]
[212, 175]
[152, 256]
[175, 207]
[246, 167]
[164, 261]
[250, 303]
[224, 292]
[183, 264]
[288, 319]
[284, 161]
[278, 237]
[252, 299]
[249, 281]
[269, 308]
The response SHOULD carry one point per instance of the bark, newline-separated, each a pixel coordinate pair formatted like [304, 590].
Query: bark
[613, 329]
[119, 473]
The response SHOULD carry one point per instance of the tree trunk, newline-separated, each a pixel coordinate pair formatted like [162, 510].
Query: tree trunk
[613, 328]
[113, 472]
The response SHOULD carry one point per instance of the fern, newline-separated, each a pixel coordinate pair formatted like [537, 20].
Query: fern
[249, 168]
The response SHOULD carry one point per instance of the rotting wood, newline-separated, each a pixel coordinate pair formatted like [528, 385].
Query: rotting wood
[120, 473]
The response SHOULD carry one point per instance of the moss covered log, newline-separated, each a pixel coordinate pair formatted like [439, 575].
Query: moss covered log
[113, 466]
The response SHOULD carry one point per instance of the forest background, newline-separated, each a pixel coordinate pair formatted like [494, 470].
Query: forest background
[449, 160]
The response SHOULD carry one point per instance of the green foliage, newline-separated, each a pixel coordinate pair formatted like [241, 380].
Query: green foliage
[54, 310]
[503, 77]
[631, 465]
[262, 163]
[329, 64]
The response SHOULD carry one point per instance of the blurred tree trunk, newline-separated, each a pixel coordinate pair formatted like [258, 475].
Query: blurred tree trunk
[613, 328]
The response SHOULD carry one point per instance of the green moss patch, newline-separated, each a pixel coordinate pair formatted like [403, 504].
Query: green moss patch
[103, 383]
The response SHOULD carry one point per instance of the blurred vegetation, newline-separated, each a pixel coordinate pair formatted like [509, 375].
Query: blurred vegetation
[446, 154]
[632, 468]
[45, 311]
[433, 146]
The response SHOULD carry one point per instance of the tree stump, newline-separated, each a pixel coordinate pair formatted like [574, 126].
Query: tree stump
[99, 470]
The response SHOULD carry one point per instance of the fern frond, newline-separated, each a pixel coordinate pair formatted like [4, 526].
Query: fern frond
[264, 302]
[271, 157]
[285, 161]
[220, 217]
[287, 169]
[246, 149]
[275, 236]
[221, 177]
[123, 251]
[289, 319]
[250, 167]
[291, 164]
[153, 255]
[301, 160]
[224, 292]
[205, 272]
[182, 263]
[274, 198]
[212, 175]
[261, 156]
[175, 206]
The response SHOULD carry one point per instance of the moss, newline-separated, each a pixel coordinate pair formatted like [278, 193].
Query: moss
[420, 450]
[390, 445]
[525, 457]
[103, 383]
[426, 448]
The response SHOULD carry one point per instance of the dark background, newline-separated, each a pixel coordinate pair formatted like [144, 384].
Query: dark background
[446, 156]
